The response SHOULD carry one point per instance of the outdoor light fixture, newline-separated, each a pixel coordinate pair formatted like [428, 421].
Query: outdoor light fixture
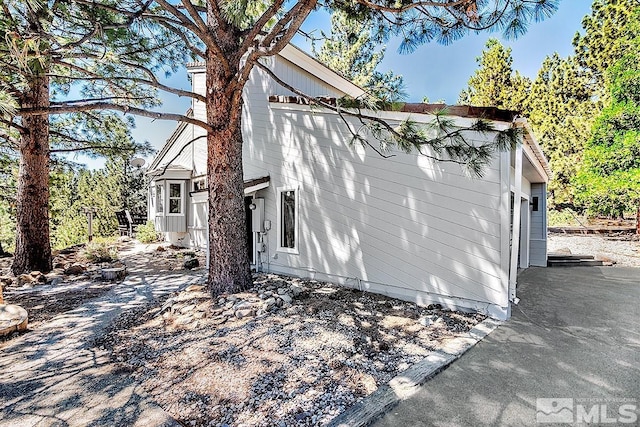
[252, 206]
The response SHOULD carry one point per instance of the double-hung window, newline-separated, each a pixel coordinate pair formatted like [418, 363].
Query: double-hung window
[288, 213]
[159, 199]
[176, 199]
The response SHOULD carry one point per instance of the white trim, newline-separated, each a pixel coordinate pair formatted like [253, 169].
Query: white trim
[250, 190]
[295, 250]
[516, 218]
[168, 198]
[160, 203]
[505, 220]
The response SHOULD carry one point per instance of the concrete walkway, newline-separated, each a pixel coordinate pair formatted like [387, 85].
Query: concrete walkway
[55, 376]
[575, 334]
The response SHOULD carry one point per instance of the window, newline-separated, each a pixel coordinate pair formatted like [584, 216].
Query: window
[159, 199]
[288, 220]
[200, 184]
[175, 198]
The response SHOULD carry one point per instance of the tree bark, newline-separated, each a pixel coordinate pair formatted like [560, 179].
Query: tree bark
[638, 221]
[229, 262]
[33, 248]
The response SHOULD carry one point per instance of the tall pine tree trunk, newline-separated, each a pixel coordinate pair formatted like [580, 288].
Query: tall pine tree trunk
[229, 262]
[33, 248]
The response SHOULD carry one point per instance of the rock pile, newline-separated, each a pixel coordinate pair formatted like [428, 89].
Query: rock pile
[266, 296]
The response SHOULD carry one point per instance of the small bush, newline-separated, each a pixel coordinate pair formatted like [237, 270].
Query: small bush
[147, 233]
[100, 252]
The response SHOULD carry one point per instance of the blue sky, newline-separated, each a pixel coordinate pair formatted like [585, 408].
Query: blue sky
[436, 71]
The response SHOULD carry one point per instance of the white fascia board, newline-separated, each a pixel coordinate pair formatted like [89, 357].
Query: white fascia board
[533, 150]
[167, 145]
[250, 190]
[321, 71]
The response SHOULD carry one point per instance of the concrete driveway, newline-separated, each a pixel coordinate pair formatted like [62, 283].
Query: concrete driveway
[574, 335]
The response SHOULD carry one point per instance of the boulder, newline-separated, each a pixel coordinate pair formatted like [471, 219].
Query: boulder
[246, 312]
[191, 263]
[74, 270]
[113, 273]
[25, 279]
[12, 318]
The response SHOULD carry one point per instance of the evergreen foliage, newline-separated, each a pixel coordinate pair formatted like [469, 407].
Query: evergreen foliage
[351, 51]
[495, 83]
[608, 181]
[561, 110]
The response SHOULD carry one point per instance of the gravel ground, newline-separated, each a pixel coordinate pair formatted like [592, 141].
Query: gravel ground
[624, 249]
[289, 352]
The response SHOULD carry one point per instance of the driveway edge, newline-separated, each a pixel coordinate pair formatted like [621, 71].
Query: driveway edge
[408, 382]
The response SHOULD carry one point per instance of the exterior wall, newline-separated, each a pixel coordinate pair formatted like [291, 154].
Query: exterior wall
[405, 226]
[538, 253]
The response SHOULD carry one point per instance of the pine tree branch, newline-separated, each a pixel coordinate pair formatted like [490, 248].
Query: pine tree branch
[154, 83]
[92, 147]
[64, 108]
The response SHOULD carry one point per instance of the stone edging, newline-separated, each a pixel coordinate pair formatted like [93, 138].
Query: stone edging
[408, 382]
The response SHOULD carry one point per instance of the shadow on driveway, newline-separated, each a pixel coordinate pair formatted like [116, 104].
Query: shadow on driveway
[575, 334]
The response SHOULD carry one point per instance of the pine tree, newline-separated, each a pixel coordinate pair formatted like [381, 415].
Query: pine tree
[351, 51]
[605, 37]
[561, 110]
[608, 180]
[46, 48]
[495, 83]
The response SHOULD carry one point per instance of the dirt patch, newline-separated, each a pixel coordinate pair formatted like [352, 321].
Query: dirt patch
[246, 360]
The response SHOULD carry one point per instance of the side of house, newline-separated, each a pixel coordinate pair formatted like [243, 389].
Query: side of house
[320, 206]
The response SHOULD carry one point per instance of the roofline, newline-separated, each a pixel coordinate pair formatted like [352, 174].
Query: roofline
[534, 146]
[312, 65]
[465, 111]
[169, 141]
[302, 59]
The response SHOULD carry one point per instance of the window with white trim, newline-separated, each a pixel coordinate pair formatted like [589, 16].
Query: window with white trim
[159, 199]
[288, 213]
[176, 204]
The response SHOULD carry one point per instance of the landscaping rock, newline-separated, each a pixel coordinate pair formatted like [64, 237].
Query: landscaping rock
[24, 279]
[191, 263]
[113, 273]
[246, 312]
[12, 318]
[286, 298]
[75, 269]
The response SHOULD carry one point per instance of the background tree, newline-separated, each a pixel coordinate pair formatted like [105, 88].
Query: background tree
[608, 180]
[495, 83]
[46, 49]
[351, 51]
[561, 109]
[605, 37]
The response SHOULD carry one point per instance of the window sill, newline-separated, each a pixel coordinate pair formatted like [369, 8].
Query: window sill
[291, 251]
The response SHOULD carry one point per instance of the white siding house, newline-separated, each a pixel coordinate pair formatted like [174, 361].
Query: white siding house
[319, 206]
